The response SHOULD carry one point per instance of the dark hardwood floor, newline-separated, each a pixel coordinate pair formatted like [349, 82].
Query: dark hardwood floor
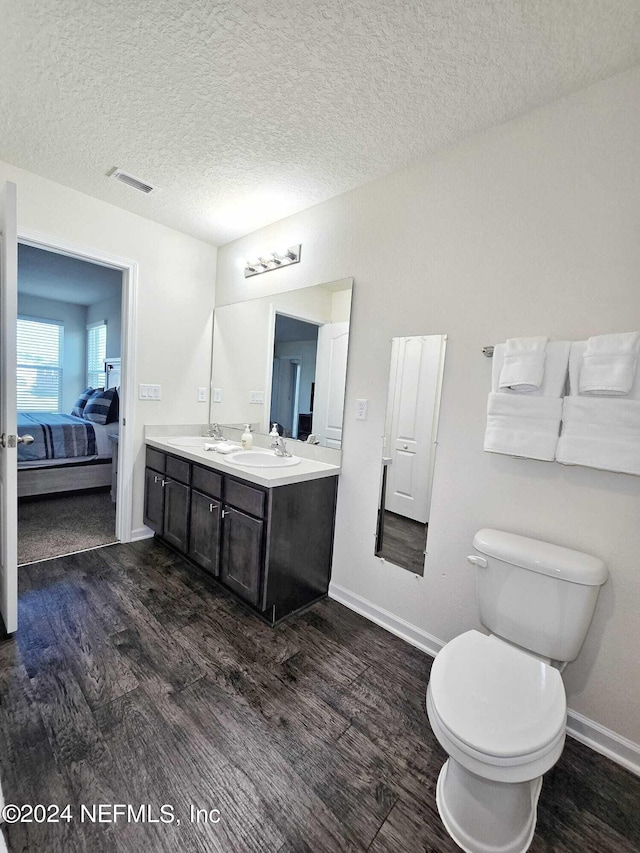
[133, 679]
[404, 542]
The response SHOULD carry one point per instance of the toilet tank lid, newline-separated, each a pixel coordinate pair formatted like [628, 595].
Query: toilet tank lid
[542, 557]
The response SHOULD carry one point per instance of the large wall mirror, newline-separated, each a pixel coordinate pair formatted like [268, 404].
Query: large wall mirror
[283, 359]
[409, 447]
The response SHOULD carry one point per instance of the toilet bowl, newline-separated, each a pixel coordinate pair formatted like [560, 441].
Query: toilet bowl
[500, 714]
[495, 702]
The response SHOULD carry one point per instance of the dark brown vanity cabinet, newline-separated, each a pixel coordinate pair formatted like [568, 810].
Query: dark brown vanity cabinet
[271, 547]
[241, 558]
[167, 498]
[204, 541]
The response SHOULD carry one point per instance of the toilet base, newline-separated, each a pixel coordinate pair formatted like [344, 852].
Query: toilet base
[483, 816]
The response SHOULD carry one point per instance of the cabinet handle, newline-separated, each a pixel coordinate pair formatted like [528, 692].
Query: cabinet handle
[224, 512]
[164, 483]
[156, 478]
[211, 506]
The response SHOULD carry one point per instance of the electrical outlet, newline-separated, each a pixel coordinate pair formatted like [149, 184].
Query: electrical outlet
[256, 396]
[217, 395]
[202, 395]
[362, 408]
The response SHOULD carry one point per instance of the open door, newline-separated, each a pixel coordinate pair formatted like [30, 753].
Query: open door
[8, 414]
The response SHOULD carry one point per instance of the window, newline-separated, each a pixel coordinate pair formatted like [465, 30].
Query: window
[96, 354]
[39, 363]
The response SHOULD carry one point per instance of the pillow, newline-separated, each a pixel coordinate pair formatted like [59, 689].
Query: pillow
[102, 407]
[81, 402]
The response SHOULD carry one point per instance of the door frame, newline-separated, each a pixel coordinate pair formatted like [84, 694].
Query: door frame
[273, 311]
[128, 322]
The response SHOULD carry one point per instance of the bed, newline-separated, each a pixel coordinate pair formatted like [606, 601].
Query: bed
[68, 453]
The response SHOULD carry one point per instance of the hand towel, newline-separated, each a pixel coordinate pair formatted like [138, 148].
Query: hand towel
[524, 362]
[527, 424]
[523, 426]
[222, 447]
[600, 433]
[555, 371]
[609, 365]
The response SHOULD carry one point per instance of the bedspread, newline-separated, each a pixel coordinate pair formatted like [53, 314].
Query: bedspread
[55, 436]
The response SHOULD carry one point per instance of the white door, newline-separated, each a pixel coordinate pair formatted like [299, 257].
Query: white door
[331, 377]
[411, 408]
[8, 418]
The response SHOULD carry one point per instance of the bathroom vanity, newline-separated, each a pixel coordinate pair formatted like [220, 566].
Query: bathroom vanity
[265, 534]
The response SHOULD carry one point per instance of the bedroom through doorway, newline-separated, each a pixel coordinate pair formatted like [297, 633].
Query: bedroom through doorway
[69, 339]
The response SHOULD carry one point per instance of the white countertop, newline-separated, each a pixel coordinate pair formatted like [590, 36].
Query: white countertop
[306, 469]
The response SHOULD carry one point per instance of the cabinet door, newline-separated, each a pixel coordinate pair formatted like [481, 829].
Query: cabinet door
[204, 533]
[241, 558]
[176, 514]
[154, 500]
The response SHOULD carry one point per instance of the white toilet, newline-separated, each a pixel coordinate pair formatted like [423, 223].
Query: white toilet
[497, 703]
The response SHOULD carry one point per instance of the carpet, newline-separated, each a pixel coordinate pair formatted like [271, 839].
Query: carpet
[59, 524]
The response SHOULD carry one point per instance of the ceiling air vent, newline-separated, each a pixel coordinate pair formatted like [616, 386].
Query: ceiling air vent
[132, 181]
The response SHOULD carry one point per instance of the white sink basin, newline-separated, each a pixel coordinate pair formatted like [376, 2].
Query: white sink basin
[261, 459]
[187, 441]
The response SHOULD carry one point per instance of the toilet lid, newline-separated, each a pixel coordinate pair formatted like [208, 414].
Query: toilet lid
[495, 698]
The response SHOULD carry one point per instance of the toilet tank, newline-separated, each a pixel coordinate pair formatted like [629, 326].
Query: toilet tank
[534, 594]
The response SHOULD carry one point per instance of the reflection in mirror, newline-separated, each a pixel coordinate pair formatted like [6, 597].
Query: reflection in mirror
[409, 446]
[283, 359]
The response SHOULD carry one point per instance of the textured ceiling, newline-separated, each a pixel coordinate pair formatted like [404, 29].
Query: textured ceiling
[244, 111]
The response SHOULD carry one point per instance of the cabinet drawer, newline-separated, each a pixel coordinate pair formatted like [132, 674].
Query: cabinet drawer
[155, 459]
[244, 497]
[207, 481]
[178, 470]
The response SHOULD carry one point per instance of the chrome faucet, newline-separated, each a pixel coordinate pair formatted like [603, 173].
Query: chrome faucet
[279, 447]
[214, 431]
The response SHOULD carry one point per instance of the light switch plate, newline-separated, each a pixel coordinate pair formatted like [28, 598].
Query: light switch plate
[202, 395]
[217, 395]
[149, 392]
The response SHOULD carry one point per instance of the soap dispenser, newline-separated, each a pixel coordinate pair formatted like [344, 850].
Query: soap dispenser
[247, 439]
[274, 431]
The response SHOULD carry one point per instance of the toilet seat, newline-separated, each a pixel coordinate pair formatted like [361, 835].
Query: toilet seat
[499, 710]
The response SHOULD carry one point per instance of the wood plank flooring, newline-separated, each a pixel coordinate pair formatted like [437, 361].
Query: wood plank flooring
[134, 679]
[404, 542]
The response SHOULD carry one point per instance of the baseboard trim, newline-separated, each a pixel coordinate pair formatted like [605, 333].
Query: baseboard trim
[619, 749]
[614, 746]
[139, 533]
[394, 624]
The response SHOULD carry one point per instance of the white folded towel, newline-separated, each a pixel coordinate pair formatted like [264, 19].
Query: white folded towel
[609, 364]
[523, 426]
[601, 433]
[527, 424]
[555, 371]
[222, 447]
[524, 361]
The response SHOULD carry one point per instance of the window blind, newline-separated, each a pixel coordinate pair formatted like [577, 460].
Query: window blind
[39, 364]
[96, 354]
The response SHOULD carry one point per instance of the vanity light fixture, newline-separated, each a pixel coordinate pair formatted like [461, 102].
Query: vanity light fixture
[275, 261]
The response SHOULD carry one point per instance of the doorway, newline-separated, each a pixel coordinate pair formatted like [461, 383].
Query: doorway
[69, 333]
[295, 348]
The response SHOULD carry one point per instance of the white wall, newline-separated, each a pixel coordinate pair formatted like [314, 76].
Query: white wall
[531, 228]
[109, 310]
[74, 318]
[175, 296]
